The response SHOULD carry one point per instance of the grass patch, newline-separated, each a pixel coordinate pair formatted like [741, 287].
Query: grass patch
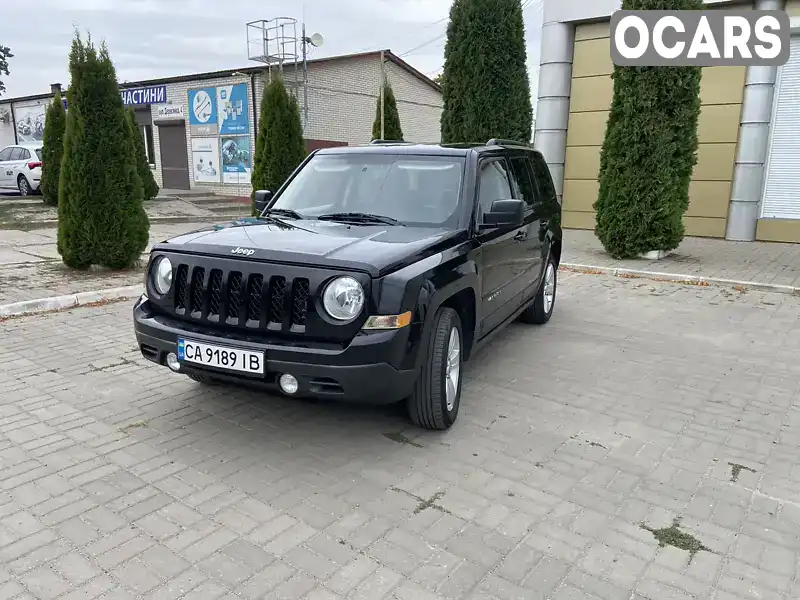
[673, 536]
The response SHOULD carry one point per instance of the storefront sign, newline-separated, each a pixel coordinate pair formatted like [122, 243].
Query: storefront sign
[156, 94]
[169, 111]
[203, 112]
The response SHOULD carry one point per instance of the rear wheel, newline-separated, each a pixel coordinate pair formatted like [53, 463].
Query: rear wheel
[24, 186]
[437, 392]
[541, 309]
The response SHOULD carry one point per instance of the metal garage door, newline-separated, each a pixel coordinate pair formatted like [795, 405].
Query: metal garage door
[782, 189]
[174, 156]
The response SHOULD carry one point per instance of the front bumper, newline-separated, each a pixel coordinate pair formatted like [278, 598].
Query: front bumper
[363, 371]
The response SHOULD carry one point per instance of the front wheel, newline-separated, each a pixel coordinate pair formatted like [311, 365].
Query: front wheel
[24, 186]
[541, 309]
[437, 393]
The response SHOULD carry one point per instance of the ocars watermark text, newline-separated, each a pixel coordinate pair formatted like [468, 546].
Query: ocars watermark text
[705, 38]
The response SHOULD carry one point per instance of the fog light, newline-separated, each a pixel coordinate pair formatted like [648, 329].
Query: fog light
[172, 362]
[288, 384]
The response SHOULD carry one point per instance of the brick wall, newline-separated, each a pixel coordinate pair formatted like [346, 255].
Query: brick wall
[342, 100]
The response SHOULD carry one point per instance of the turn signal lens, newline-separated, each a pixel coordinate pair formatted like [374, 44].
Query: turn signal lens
[389, 321]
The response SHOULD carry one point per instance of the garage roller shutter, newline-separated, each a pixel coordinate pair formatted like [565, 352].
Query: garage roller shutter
[782, 190]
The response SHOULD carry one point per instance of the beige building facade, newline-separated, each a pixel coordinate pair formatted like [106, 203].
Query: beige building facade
[746, 184]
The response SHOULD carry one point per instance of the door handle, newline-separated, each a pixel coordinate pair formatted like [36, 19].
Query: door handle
[521, 236]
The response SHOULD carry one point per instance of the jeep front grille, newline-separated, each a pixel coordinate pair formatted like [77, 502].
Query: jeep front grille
[254, 300]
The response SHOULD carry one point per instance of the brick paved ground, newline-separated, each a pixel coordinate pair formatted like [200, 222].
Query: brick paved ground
[760, 262]
[31, 268]
[120, 480]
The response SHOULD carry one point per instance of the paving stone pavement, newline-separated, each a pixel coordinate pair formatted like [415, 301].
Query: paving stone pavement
[759, 262]
[120, 480]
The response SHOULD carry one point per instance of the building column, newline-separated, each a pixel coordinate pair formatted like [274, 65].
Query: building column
[753, 146]
[552, 110]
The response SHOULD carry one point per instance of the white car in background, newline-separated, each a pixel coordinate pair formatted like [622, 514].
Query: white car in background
[21, 167]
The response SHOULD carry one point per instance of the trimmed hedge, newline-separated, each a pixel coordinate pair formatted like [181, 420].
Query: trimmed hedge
[649, 152]
[280, 146]
[55, 125]
[487, 92]
[101, 217]
[392, 130]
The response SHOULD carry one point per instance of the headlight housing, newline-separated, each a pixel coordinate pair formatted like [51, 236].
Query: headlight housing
[162, 275]
[343, 299]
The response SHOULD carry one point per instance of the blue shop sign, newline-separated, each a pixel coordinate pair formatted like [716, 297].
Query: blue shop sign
[156, 94]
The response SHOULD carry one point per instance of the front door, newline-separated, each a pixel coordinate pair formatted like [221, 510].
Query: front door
[174, 156]
[500, 249]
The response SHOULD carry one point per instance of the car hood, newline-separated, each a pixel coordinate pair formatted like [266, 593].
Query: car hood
[375, 249]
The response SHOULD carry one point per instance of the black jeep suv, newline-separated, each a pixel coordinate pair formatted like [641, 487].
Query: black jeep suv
[371, 275]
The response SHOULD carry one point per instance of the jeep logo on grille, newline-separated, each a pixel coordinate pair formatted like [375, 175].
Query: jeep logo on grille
[243, 251]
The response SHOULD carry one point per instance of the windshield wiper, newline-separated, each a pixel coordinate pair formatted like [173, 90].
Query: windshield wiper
[359, 217]
[285, 212]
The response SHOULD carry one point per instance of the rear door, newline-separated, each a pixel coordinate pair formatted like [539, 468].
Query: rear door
[530, 237]
[547, 205]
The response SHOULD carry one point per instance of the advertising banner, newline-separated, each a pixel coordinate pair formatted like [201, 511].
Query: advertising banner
[7, 136]
[233, 109]
[30, 122]
[203, 112]
[205, 160]
[235, 159]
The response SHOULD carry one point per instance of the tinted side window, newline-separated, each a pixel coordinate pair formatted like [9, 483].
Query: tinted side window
[25, 154]
[16, 154]
[543, 179]
[493, 184]
[522, 175]
[6, 154]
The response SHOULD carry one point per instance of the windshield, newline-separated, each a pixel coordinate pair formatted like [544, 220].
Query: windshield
[415, 190]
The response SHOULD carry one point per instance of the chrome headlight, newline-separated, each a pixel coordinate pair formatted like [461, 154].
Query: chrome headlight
[343, 299]
[162, 275]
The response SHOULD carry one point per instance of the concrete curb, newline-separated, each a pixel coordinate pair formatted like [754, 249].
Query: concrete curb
[52, 223]
[682, 278]
[43, 305]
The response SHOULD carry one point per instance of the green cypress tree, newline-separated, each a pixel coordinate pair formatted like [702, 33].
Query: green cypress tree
[143, 167]
[55, 124]
[649, 152]
[487, 93]
[280, 146]
[101, 217]
[392, 130]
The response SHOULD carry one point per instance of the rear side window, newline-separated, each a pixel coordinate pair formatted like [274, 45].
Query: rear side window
[16, 154]
[519, 166]
[543, 179]
[25, 155]
[5, 154]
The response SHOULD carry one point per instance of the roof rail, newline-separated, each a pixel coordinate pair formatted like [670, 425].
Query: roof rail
[389, 142]
[499, 142]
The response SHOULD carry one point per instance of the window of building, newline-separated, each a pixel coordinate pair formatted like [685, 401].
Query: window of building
[149, 145]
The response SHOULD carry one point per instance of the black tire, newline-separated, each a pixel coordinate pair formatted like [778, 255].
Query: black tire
[24, 188]
[538, 313]
[427, 406]
[204, 379]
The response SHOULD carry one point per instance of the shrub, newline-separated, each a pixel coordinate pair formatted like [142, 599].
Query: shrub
[487, 93]
[101, 217]
[149, 184]
[280, 146]
[55, 124]
[392, 130]
[649, 152]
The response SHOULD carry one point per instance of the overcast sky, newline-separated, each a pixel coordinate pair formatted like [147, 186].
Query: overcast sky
[161, 38]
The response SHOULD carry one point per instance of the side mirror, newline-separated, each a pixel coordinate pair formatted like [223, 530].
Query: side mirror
[504, 213]
[262, 199]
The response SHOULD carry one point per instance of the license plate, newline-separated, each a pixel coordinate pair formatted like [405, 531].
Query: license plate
[221, 357]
